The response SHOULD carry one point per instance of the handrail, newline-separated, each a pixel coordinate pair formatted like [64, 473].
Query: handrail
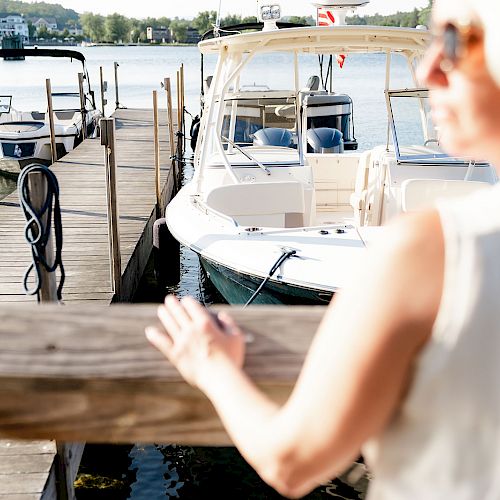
[202, 205]
[114, 386]
[248, 155]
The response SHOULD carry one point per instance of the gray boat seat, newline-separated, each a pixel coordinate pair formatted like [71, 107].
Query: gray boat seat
[325, 140]
[273, 137]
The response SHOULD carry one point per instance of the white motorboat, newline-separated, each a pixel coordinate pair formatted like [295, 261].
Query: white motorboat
[282, 203]
[25, 135]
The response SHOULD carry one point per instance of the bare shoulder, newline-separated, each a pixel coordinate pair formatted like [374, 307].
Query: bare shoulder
[412, 260]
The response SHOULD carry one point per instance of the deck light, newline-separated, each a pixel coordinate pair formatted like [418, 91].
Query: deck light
[269, 14]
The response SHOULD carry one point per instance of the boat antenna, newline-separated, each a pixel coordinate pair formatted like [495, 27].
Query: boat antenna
[218, 20]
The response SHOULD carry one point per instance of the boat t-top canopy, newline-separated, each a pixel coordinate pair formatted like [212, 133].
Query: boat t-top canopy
[324, 40]
[70, 54]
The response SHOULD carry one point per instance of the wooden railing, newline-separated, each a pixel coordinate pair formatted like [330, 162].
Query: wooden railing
[87, 373]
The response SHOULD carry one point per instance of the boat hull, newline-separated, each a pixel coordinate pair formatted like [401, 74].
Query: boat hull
[237, 288]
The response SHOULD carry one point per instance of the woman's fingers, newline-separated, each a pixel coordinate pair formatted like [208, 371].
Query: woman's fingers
[177, 311]
[160, 340]
[169, 322]
[198, 313]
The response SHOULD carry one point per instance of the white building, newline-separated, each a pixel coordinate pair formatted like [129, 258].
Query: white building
[46, 22]
[13, 24]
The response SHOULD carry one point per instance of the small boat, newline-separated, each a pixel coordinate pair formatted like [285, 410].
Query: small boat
[25, 135]
[284, 199]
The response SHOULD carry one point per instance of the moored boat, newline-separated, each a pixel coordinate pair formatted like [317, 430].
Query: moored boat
[284, 199]
[25, 135]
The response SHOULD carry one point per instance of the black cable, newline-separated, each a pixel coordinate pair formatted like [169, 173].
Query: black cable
[284, 256]
[36, 234]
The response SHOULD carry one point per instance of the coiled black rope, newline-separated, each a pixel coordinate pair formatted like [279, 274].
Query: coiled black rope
[36, 234]
[284, 256]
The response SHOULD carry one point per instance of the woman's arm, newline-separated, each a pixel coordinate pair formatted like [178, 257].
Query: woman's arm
[355, 373]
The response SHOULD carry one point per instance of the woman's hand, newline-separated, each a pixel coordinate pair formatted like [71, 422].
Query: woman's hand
[195, 340]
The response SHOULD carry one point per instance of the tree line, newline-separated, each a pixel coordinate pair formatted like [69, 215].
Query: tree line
[116, 27]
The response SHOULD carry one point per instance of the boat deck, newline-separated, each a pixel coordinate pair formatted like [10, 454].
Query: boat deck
[25, 468]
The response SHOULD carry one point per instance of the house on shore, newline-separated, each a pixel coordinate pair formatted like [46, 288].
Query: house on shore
[12, 24]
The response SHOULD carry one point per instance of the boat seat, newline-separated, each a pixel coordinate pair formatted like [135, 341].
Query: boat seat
[281, 137]
[422, 194]
[65, 115]
[325, 140]
[358, 198]
[268, 204]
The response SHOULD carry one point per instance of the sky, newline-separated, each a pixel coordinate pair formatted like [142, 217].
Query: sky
[189, 8]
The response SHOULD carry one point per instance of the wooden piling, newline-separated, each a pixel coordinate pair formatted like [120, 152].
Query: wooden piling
[37, 183]
[108, 141]
[171, 133]
[183, 104]
[103, 92]
[117, 98]
[50, 111]
[156, 128]
[82, 105]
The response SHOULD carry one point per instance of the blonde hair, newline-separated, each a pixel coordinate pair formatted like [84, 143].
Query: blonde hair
[488, 13]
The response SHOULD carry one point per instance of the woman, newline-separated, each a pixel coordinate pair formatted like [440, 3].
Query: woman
[420, 399]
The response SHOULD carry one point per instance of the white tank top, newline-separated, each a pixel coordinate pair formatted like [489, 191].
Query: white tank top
[445, 441]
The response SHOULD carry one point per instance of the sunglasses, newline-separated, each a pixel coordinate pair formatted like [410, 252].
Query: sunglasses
[456, 41]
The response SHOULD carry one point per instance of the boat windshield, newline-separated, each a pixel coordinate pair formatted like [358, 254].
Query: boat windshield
[5, 103]
[251, 119]
[413, 143]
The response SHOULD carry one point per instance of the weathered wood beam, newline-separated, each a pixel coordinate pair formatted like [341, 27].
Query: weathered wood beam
[87, 373]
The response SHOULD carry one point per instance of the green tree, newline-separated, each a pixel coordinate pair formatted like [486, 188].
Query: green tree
[31, 29]
[93, 26]
[308, 20]
[231, 20]
[117, 27]
[42, 32]
[204, 21]
[179, 29]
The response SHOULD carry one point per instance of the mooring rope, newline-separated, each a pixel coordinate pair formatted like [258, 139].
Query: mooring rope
[284, 256]
[36, 234]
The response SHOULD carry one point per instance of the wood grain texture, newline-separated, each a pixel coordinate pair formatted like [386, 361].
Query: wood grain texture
[89, 374]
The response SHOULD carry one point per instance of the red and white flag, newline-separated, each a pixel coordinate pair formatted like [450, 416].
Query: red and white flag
[326, 17]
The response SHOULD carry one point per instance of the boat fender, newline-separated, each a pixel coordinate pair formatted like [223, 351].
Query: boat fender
[194, 132]
[166, 254]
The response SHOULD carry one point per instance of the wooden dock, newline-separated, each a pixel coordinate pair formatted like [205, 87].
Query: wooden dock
[26, 470]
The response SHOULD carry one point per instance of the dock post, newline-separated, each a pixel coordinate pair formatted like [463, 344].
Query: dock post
[179, 152]
[104, 88]
[37, 183]
[171, 136]
[183, 106]
[117, 99]
[108, 140]
[50, 107]
[156, 127]
[82, 105]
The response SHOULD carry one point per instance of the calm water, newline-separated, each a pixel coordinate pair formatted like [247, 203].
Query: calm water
[151, 471]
